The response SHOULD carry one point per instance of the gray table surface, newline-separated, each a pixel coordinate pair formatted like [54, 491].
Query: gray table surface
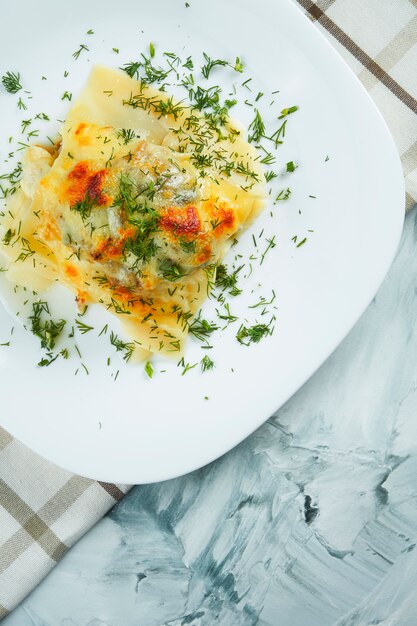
[311, 521]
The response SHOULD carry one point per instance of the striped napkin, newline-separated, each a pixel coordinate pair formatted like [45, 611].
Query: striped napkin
[378, 39]
[43, 509]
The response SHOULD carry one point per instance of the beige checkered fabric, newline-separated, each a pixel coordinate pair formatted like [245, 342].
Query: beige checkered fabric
[43, 511]
[378, 39]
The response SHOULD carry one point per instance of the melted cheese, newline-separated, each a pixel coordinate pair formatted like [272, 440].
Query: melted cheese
[136, 209]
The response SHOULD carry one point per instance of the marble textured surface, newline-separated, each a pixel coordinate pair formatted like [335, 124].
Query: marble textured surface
[312, 521]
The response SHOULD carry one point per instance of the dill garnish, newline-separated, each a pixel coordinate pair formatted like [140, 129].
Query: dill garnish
[84, 207]
[206, 363]
[80, 49]
[149, 369]
[256, 128]
[83, 328]
[226, 281]
[284, 194]
[47, 331]
[210, 64]
[253, 334]
[287, 111]
[121, 346]
[11, 82]
[201, 329]
[170, 270]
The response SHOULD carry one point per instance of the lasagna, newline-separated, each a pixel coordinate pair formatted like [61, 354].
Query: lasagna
[135, 206]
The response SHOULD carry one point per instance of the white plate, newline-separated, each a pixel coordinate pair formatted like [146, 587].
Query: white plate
[136, 430]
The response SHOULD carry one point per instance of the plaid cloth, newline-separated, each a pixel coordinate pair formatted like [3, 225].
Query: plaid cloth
[378, 39]
[44, 509]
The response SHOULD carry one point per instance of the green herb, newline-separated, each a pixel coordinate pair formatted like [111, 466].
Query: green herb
[117, 307]
[21, 105]
[270, 176]
[132, 69]
[287, 111]
[291, 166]
[271, 244]
[116, 50]
[263, 301]
[47, 331]
[226, 281]
[149, 369]
[188, 64]
[187, 246]
[122, 346]
[144, 70]
[201, 329]
[206, 363]
[238, 65]
[216, 223]
[268, 159]
[11, 82]
[188, 367]
[90, 32]
[83, 328]
[67, 96]
[210, 64]
[26, 250]
[163, 107]
[25, 124]
[111, 157]
[78, 52]
[142, 249]
[127, 195]
[230, 103]
[227, 315]
[170, 270]
[152, 50]
[284, 194]
[50, 358]
[127, 134]
[42, 116]
[8, 236]
[253, 334]
[276, 136]
[84, 207]
[302, 242]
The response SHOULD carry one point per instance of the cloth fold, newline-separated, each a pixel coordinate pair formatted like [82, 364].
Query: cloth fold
[44, 510]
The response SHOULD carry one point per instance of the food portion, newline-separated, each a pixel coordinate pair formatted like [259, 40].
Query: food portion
[134, 207]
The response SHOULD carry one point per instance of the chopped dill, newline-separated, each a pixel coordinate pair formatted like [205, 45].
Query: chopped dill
[149, 369]
[11, 82]
[80, 49]
[253, 334]
[206, 363]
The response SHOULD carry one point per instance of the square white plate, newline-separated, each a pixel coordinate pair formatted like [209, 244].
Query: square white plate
[136, 430]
